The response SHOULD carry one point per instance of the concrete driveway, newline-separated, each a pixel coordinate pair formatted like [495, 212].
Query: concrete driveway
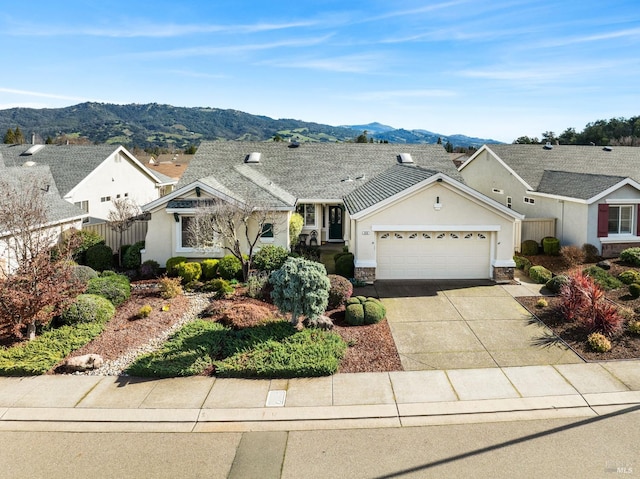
[465, 324]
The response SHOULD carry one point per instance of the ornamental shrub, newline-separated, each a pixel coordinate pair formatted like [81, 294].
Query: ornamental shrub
[374, 312]
[634, 327]
[522, 263]
[599, 343]
[85, 239]
[189, 271]
[83, 273]
[344, 265]
[219, 286]
[529, 247]
[114, 287]
[209, 268]
[572, 255]
[591, 253]
[296, 222]
[340, 291]
[144, 311]
[540, 274]
[230, 268]
[551, 246]
[99, 257]
[354, 314]
[300, 287]
[172, 263]
[555, 284]
[542, 303]
[629, 277]
[131, 259]
[257, 285]
[270, 258]
[88, 308]
[634, 290]
[170, 287]
[149, 269]
[631, 256]
[602, 278]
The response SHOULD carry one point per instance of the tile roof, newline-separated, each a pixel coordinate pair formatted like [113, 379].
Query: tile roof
[311, 171]
[531, 161]
[387, 184]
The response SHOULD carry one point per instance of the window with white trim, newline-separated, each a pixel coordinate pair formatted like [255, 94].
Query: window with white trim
[308, 213]
[509, 202]
[529, 200]
[620, 219]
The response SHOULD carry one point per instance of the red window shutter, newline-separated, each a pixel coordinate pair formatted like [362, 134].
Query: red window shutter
[603, 220]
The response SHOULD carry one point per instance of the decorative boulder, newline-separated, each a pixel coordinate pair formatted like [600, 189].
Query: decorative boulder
[321, 322]
[606, 265]
[83, 363]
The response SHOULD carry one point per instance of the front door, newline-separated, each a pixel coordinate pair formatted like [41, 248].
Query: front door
[335, 223]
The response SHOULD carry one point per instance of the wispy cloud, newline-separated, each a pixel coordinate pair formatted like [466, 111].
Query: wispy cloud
[192, 74]
[383, 95]
[38, 94]
[614, 35]
[415, 11]
[364, 63]
[230, 49]
[147, 30]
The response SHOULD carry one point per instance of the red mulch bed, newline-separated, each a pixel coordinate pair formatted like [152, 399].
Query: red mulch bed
[624, 345]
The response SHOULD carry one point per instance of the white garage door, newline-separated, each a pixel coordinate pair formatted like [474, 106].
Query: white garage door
[433, 255]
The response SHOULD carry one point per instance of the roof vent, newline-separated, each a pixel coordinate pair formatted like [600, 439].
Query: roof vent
[607, 148]
[548, 146]
[28, 164]
[253, 157]
[32, 150]
[294, 144]
[405, 158]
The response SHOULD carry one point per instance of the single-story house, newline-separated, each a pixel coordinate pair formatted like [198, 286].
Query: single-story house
[60, 215]
[404, 211]
[592, 192]
[92, 176]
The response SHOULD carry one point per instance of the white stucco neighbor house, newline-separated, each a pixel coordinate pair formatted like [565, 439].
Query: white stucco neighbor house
[92, 176]
[404, 211]
[593, 192]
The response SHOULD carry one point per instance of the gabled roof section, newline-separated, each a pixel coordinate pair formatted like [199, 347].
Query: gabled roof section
[387, 184]
[576, 185]
[531, 161]
[312, 170]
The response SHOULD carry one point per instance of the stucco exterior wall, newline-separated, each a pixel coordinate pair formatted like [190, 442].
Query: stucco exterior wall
[459, 210]
[117, 175]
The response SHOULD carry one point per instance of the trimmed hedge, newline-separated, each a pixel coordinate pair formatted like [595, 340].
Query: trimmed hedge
[634, 290]
[629, 277]
[88, 308]
[551, 246]
[522, 263]
[230, 268]
[344, 265]
[540, 274]
[172, 263]
[529, 247]
[631, 256]
[340, 291]
[189, 271]
[361, 310]
[131, 259]
[209, 268]
[99, 257]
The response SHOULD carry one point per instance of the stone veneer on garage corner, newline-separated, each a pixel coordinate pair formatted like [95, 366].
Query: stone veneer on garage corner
[500, 274]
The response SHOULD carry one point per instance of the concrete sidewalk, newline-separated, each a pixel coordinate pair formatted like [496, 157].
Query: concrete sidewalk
[367, 400]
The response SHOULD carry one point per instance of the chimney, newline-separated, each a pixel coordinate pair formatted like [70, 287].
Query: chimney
[33, 138]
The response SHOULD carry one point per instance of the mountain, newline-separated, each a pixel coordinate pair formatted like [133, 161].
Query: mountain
[165, 126]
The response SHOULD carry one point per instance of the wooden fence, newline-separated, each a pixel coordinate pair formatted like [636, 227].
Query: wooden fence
[137, 232]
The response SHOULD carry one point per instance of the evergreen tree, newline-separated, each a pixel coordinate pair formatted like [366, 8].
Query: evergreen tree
[19, 137]
[10, 137]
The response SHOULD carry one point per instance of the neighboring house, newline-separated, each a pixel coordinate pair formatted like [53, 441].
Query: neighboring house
[403, 210]
[172, 165]
[593, 192]
[92, 176]
[61, 215]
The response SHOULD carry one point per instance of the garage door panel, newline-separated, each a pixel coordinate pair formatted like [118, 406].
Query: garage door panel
[440, 255]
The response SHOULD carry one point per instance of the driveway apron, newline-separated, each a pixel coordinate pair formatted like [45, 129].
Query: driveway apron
[465, 324]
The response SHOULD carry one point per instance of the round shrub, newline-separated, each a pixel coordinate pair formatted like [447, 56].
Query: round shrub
[230, 268]
[344, 265]
[88, 308]
[131, 258]
[219, 286]
[149, 269]
[634, 327]
[352, 301]
[555, 283]
[99, 257]
[629, 277]
[144, 311]
[354, 314]
[83, 239]
[522, 262]
[539, 274]
[170, 287]
[542, 303]
[634, 290]
[631, 256]
[529, 247]
[209, 268]
[172, 263]
[374, 312]
[340, 291]
[83, 273]
[115, 288]
[598, 342]
[551, 246]
[270, 258]
[591, 253]
[189, 272]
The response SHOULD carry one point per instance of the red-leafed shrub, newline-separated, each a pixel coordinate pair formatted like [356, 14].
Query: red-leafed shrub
[340, 291]
[573, 295]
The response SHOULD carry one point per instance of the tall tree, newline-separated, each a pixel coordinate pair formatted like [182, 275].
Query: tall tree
[19, 137]
[9, 137]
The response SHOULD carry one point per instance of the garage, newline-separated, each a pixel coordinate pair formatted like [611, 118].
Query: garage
[433, 255]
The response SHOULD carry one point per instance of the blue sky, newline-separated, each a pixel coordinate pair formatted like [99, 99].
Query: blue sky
[493, 69]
